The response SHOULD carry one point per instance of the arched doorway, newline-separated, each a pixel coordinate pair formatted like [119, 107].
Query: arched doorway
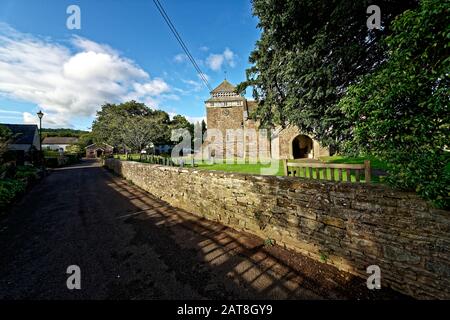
[302, 147]
[99, 153]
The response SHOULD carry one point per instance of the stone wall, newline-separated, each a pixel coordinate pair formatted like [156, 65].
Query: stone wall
[347, 225]
[238, 136]
[287, 135]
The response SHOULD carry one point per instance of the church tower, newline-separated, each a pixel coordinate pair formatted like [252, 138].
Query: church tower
[227, 110]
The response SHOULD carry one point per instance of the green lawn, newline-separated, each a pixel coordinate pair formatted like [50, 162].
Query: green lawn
[253, 168]
[374, 163]
[243, 168]
[323, 173]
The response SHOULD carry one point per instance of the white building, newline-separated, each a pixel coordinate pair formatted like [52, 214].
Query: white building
[58, 143]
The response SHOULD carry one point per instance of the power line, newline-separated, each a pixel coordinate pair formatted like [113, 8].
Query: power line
[181, 42]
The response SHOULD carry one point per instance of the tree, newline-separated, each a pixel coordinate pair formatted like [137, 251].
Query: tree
[180, 122]
[134, 125]
[309, 52]
[5, 140]
[62, 133]
[108, 125]
[85, 140]
[401, 111]
[199, 133]
[140, 132]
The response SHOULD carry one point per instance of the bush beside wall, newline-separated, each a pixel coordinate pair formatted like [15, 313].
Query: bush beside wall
[351, 225]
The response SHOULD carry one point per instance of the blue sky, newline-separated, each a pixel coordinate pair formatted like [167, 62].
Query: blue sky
[123, 51]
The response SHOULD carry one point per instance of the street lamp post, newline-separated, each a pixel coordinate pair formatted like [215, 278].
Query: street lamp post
[40, 114]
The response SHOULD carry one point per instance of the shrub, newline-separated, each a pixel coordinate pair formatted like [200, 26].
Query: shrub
[51, 153]
[26, 172]
[51, 162]
[73, 158]
[9, 190]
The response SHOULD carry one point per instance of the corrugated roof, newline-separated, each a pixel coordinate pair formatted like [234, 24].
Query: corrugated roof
[60, 140]
[22, 133]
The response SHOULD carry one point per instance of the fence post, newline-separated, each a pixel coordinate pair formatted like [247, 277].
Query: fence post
[367, 171]
[285, 165]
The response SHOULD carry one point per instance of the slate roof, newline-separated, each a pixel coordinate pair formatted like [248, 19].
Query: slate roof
[60, 140]
[225, 86]
[22, 133]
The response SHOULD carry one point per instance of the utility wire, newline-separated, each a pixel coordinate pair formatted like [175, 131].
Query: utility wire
[181, 42]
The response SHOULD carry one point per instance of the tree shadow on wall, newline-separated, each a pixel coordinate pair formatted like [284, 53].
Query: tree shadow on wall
[220, 263]
[320, 228]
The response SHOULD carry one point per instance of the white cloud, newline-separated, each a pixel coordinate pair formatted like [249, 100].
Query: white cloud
[179, 58]
[204, 75]
[10, 111]
[88, 45]
[229, 57]
[215, 61]
[67, 83]
[54, 120]
[152, 88]
[194, 85]
[10, 114]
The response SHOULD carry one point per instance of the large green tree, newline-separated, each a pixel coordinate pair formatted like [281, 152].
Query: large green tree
[108, 124]
[308, 53]
[141, 132]
[134, 125]
[401, 113]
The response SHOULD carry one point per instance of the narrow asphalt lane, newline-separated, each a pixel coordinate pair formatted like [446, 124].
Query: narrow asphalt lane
[131, 245]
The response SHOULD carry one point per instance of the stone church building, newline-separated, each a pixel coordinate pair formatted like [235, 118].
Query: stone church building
[227, 110]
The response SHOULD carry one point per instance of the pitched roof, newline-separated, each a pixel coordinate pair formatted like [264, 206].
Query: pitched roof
[22, 133]
[99, 145]
[225, 86]
[60, 140]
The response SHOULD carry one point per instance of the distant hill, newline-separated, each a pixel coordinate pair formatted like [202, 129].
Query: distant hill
[62, 133]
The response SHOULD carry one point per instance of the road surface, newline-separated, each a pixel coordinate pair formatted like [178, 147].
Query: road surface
[130, 245]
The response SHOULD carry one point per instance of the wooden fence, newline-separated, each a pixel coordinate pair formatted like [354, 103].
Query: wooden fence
[166, 161]
[328, 171]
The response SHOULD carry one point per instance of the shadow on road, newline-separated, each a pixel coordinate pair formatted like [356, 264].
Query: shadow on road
[131, 245]
[222, 263]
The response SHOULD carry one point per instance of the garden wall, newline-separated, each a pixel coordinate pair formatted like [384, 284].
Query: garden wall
[348, 225]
